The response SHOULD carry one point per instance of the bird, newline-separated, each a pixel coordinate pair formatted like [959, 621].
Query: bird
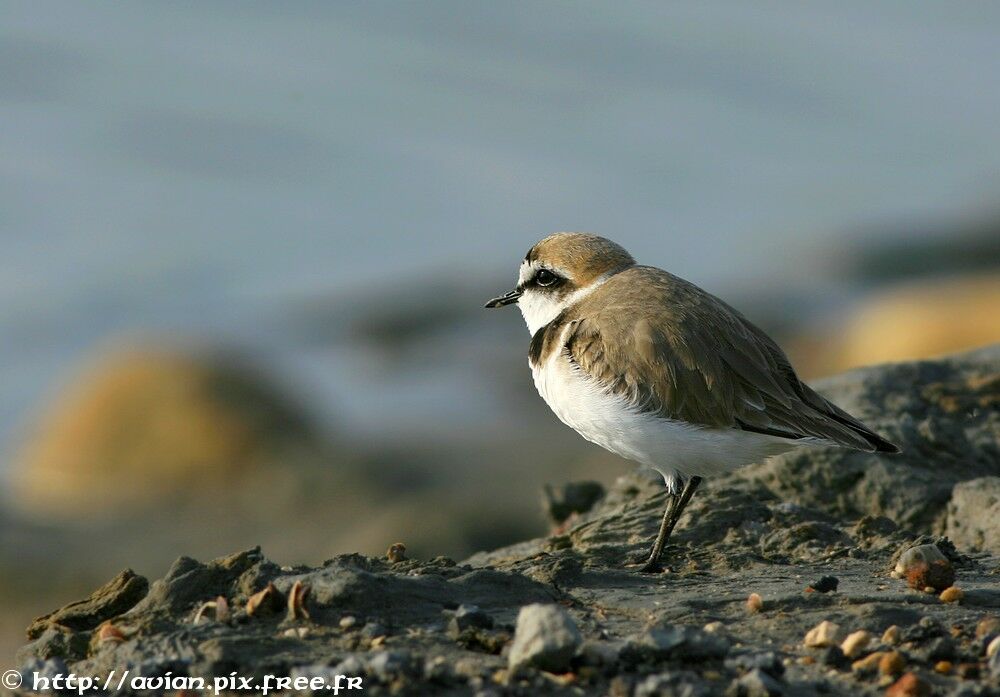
[659, 371]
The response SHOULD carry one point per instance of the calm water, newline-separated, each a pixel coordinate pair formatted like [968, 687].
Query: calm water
[197, 168]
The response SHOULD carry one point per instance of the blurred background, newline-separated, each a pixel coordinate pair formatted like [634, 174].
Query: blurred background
[245, 247]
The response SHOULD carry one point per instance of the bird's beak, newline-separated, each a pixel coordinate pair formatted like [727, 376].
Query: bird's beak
[506, 299]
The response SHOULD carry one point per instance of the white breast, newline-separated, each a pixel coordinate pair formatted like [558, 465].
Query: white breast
[674, 448]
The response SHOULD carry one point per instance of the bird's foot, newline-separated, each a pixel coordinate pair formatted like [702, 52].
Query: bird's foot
[644, 564]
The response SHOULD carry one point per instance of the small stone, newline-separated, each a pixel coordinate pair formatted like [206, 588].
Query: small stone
[855, 643]
[933, 577]
[756, 683]
[755, 603]
[892, 636]
[766, 661]
[396, 553]
[468, 617]
[832, 656]
[988, 626]
[348, 621]
[941, 649]
[667, 641]
[920, 554]
[823, 634]
[993, 648]
[714, 627]
[868, 664]
[943, 667]
[389, 664]
[952, 594]
[546, 637]
[909, 686]
[674, 682]
[993, 664]
[827, 584]
[575, 497]
[806, 660]
[891, 663]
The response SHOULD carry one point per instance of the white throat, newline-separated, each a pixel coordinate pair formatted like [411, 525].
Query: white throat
[539, 308]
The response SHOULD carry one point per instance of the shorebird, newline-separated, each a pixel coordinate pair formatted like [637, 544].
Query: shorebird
[657, 370]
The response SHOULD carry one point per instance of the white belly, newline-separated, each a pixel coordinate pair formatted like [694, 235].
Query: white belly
[674, 448]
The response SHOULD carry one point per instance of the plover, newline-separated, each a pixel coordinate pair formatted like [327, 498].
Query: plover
[659, 371]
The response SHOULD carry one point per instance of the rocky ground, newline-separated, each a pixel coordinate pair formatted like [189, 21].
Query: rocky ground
[792, 577]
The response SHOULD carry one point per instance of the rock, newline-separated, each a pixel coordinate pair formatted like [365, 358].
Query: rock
[823, 634]
[755, 603]
[855, 643]
[942, 413]
[891, 663]
[952, 594]
[663, 642]
[546, 637]
[428, 625]
[468, 617]
[672, 684]
[110, 600]
[827, 584]
[974, 514]
[756, 683]
[988, 627]
[147, 428]
[574, 497]
[993, 647]
[766, 661]
[892, 636]
[910, 685]
[917, 556]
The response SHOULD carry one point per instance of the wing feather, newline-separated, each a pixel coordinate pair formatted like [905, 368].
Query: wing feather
[668, 347]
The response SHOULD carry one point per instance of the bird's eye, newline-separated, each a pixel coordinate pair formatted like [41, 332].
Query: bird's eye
[544, 277]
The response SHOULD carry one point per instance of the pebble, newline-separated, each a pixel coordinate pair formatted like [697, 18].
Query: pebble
[755, 603]
[468, 617]
[988, 626]
[823, 634]
[756, 683]
[868, 664]
[931, 578]
[892, 635]
[943, 667]
[909, 686]
[952, 594]
[396, 553]
[546, 637]
[827, 584]
[855, 643]
[921, 554]
[348, 621]
[832, 656]
[993, 664]
[766, 661]
[389, 664]
[891, 663]
[993, 648]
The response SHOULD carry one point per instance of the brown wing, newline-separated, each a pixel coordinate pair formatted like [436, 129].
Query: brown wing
[670, 348]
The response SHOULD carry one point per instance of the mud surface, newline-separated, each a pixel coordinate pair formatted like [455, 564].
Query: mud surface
[814, 534]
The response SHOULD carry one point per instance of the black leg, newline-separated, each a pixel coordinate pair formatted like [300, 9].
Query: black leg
[675, 507]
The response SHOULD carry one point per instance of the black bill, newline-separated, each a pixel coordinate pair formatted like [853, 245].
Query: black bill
[505, 299]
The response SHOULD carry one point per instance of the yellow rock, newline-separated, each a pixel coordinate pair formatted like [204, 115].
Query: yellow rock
[855, 643]
[909, 321]
[892, 635]
[951, 595]
[823, 634]
[150, 427]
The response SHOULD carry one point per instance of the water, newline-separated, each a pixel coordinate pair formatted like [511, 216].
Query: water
[192, 168]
